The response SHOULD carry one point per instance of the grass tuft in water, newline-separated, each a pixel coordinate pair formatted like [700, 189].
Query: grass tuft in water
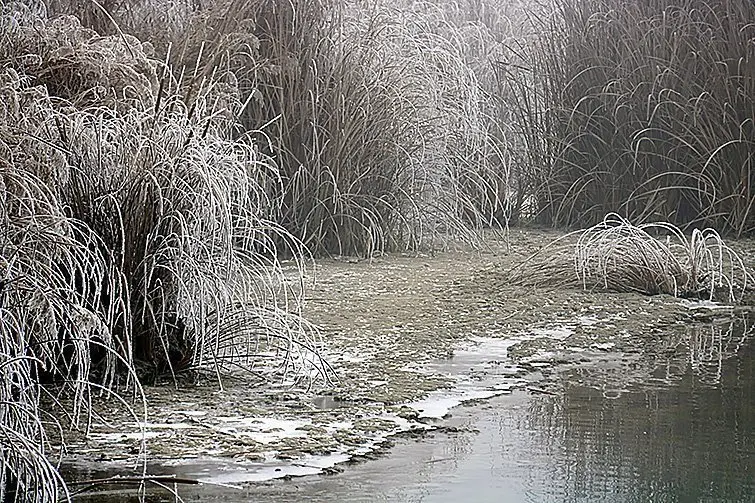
[651, 259]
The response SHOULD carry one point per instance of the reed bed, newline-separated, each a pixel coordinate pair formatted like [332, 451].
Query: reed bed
[643, 108]
[372, 115]
[159, 159]
[651, 259]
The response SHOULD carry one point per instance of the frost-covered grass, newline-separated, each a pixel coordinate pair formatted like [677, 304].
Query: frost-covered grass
[136, 240]
[158, 161]
[653, 258]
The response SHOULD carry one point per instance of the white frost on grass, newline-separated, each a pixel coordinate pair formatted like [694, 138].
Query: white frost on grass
[263, 429]
[707, 305]
[558, 333]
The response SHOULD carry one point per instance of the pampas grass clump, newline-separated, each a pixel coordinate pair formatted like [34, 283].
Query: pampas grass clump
[78, 65]
[655, 258]
[54, 325]
[136, 241]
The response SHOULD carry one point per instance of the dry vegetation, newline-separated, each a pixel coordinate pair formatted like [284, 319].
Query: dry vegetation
[643, 107]
[651, 259]
[160, 158]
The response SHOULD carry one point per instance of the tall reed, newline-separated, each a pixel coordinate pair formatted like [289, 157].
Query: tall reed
[645, 108]
[378, 124]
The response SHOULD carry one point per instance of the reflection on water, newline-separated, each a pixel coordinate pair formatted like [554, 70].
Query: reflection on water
[686, 433]
[673, 421]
